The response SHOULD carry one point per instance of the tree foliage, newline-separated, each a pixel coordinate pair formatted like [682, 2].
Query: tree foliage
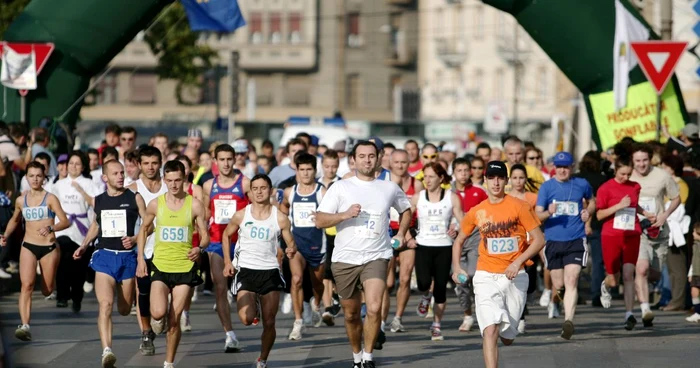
[180, 56]
[9, 10]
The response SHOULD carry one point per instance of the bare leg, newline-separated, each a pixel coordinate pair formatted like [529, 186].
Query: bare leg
[327, 293]
[390, 282]
[353, 322]
[179, 293]
[27, 274]
[297, 265]
[571, 274]
[104, 290]
[407, 260]
[557, 282]
[221, 289]
[374, 290]
[317, 284]
[49, 267]
[270, 306]
[641, 280]
[628, 275]
[490, 346]
[125, 296]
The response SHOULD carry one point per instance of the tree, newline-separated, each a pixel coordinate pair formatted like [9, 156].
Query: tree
[9, 10]
[179, 55]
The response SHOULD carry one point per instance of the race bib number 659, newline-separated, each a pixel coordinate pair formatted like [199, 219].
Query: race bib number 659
[502, 245]
[174, 234]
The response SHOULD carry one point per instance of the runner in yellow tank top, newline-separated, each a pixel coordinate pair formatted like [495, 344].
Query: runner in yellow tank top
[174, 269]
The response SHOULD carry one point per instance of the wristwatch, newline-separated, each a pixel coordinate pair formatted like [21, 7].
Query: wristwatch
[50, 229]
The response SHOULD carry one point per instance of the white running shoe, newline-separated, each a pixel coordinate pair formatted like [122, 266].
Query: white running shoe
[316, 319]
[185, 324]
[423, 306]
[695, 318]
[396, 325]
[206, 292]
[467, 324]
[195, 296]
[605, 297]
[108, 358]
[521, 326]
[88, 287]
[546, 297]
[51, 297]
[133, 310]
[168, 365]
[297, 330]
[4, 275]
[232, 345]
[553, 310]
[158, 326]
[287, 303]
[414, 281]
[306, 314]
[260, 364]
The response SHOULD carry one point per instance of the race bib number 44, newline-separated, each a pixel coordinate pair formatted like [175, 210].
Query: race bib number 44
[369, 225]
[113, 223]
[224, 209]
[624, 219]
[502, 245]
[303, 214]
[174, 234]
[435, 227]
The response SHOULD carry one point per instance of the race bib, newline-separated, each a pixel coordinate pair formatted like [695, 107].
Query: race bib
[624, 219]
[566, 208]
[303, 214]
[35, 213]
[502, 245]
[435, 227]
[224, 209]
[113, 223]
[648, 204]
[369, 225]
[174, 234]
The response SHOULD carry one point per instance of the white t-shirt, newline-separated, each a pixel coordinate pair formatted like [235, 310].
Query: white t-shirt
[343, 167]
[8, 149]
[365, 238]
[656, 185]
[73, 203]
[97, 180]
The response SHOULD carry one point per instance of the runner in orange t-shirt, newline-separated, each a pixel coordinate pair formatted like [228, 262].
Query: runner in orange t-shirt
[500, 281]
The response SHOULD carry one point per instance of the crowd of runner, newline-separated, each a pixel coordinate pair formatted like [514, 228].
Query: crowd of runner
[316, 231]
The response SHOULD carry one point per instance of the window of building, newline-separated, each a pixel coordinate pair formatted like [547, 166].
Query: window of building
[295, 33]
[500, 84]
[352, 91]
[255, 28]
[479, 22]
[353, 30]
[107, 90]
[394, 82]
[142, 88]
[275, 23]
[542, 83]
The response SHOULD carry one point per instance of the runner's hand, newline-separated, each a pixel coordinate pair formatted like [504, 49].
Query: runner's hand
[75, 185]
[291, 251]
[354, 210]
[589, 230]
[552, 209]
[3, 240]
[79, 253]
[512, 270]
[452, 231]
[44, 231]
[585, 215]
[659, 221]
[228, 270]
[193, 254]
[127, 243]
[625, 202]
[455, 274]
[141, 269]
[412, 244]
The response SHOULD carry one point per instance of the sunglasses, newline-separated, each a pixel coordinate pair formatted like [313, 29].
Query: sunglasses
[534, 158]
[430, 157]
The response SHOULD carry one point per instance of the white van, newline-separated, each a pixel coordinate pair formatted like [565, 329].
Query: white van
[328, 135]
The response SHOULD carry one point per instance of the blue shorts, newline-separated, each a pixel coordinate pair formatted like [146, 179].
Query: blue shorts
[120, 265]
[215, 247]
[561, 253]
[314, 258]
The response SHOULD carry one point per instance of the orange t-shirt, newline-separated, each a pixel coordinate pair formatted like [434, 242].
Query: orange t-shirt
[511, 218]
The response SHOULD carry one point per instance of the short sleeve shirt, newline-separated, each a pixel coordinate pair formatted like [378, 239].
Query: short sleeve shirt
[571, 193]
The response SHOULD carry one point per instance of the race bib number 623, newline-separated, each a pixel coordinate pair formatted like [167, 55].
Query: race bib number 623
[502, 245]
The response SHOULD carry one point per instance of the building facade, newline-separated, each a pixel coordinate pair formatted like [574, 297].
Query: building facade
[297, 57]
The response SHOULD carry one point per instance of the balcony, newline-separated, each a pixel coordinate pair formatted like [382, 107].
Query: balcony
[400, 55]
[513, 52]
[452, 51]
[278, 57]
[401, 2]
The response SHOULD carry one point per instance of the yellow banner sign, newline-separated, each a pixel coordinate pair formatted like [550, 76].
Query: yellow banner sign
[638, 119]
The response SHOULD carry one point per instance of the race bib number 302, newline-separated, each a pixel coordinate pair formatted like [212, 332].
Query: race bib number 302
[174, 234]
[502, 245]
[224, 209]
[113, 223]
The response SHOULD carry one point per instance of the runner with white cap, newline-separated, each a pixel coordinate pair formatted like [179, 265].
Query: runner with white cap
[248, 167]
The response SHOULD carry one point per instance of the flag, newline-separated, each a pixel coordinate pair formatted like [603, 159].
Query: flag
[18, 70]
[214, 15]
[627, 29]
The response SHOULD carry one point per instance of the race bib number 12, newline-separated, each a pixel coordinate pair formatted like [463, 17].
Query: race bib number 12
[369, 225]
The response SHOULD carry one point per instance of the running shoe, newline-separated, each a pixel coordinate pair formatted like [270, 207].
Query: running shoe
[61, 304]
[368, 364]
[22, 333]
[605, 297]
[133, 310]
[567, 330]
[158, 326]
[185, 324]
[206, 292]
[695, 318]
[423, 306]
[195, 296]
[287, 303]
[381, 339]
[436, 334]
[51, 297]
[522, 327]
[260, 364]
[316, 318]
[4, 275]
[76, 306]
[109, 360]
[232, 345]
[430, 313]
[648, 318]
[553, 310]
[630, 323]
[546, 297]
[467, 324]
[335, 310]
[396, 325]
[328, 317]
[168, 365]
[297, 330]
[147, 347]
[356, 365]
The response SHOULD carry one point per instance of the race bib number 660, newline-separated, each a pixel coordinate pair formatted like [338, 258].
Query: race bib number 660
[502, 245]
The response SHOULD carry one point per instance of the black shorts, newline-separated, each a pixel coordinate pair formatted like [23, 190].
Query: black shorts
[330, 244]
[561, 253]
[171, 279]
[260, 282]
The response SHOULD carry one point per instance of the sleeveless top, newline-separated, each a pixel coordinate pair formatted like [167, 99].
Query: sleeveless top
[148, 196]
[37, 213]
[434, 220]
[116, 217]
[304, 230]
[384, 175]
[332, 231]
[394, 216]
[173, 237]
[224, 203]
[258, 241]
[195, 235]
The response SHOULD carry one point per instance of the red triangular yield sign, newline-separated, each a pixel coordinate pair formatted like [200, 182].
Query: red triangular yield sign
[42, 51]
[658, 59]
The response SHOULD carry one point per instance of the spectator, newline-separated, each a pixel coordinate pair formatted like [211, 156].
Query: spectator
[40, 140]
[194, 140]
[112, 133]
[93, 159]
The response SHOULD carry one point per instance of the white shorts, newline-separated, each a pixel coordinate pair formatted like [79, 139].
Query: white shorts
[500, 301]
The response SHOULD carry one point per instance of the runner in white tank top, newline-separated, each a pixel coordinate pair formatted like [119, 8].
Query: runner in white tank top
[257, 270]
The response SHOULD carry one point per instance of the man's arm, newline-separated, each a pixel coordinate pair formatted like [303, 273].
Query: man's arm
[231, 229]
[147, 222]
[286, 228]
[326, 220]
[199, 212]
[206, 192]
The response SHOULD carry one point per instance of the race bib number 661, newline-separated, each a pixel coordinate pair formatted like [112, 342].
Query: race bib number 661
[502, 245]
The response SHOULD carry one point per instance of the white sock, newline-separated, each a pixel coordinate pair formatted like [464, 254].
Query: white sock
[696, 301]
[231, 334]
[628, 314]
[106, 350]
[382, 326]
[396, 316]
[645, 307]
[366, 356]
[357, 357]
[26, 325]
